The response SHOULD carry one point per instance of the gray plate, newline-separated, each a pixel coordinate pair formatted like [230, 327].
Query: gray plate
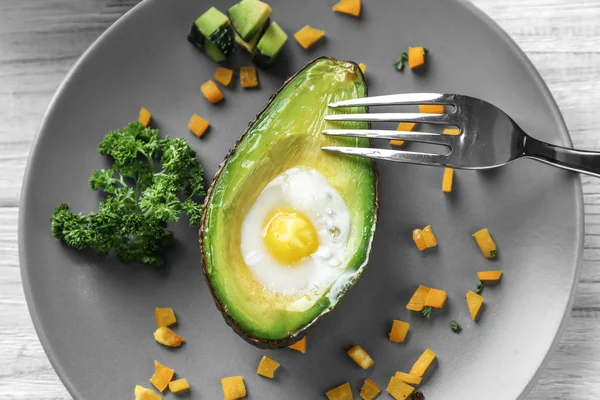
[95, 318]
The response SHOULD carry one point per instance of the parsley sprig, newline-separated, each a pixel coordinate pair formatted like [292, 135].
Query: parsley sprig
[399, 63]
[480, 286]
[455, 326]
[152, 182]
[426, 312]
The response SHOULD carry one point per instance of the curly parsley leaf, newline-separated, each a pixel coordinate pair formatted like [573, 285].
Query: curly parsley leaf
[152, 182]
[455, 326]
[426, 312]
[399, 63]
[480, 286]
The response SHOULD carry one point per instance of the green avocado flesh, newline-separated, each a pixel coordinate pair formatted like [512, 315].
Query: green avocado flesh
[248, 17]
[270, 45]
[250, 44]
[287, 134]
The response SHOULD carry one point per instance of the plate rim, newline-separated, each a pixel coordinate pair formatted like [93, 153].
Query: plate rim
[466, 4]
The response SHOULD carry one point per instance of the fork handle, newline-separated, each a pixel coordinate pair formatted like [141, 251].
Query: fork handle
[585, 162]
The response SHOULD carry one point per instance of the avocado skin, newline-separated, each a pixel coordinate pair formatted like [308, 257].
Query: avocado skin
[237, 328]
[196, 37]
[223, 39]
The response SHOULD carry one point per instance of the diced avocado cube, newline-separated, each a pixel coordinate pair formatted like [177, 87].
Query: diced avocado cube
[269, 45]
[248, 17]
[250, 45]
[212, 33]
[247, 45]
[210, 21]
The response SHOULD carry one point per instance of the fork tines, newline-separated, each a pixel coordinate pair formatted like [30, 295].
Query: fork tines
[396, 99]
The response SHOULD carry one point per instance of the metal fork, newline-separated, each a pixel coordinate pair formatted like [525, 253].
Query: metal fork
[488, 137]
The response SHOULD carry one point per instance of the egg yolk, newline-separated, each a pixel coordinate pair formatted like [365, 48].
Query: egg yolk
[289, 236]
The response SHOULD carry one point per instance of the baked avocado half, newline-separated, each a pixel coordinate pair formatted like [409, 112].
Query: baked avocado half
[270, 289]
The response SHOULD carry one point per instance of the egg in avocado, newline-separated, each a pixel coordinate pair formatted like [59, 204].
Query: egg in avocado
[287, 228]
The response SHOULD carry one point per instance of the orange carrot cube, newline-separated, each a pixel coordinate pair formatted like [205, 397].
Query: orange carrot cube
[436, 298]
[300, 345]
[399, 331]
[489, 275]
[416, 57]
[224, 76]
[144, 117]
[308, 36]
[211, 91]
[417, 301]
[267, 367]
[198, 125]
[233, 387]
[360, 357]
[447, 180]
[342, 392]
[248, 77]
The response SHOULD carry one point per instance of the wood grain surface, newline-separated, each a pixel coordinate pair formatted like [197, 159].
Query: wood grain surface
[41, 39]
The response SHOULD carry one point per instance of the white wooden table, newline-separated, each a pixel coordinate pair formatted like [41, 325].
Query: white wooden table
[41, 39]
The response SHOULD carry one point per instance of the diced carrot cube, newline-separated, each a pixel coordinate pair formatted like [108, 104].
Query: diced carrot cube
[300, 345]
[486, 243]
[402, 126]
[198, 125]
[447, 180]
[164, 316]
[436, 298]
[342, 392]
[179, 385]
[224, 76]
[474, 302]
[419, 239]
[416, 57]
[308, 36]
[144, 117]
[248, 77]
[162, 376]
[399, 331]
[489, 275]
[429, 237]
[411, 379]
[142, 393]
[360, 357]
[267, 367]
[350, 7]
[167, 337]
[451, 131]
[417, 301]
[431, 108]
[211, 91]
[398, 389]
[406, 126]
[369, 390]
[233, 387]
[420, 367]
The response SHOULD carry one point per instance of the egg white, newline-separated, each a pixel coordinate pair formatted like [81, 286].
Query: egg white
[306, 191]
